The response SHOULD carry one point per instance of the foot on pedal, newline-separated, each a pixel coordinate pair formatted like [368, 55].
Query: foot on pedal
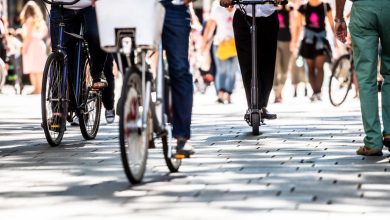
[54, 122]
[183, 149]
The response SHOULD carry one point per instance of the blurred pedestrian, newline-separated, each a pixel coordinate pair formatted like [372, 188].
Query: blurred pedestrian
[315, 47]
[283, 54]
[368, 26]
[34, 30]
[221, 20]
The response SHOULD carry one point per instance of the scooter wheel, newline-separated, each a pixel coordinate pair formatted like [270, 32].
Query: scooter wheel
[255, 124]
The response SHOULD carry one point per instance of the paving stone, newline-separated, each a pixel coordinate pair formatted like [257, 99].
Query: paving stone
[302, 165]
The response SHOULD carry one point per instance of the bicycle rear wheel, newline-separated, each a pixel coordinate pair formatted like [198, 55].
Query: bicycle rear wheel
[134, 141]
[341, 80]
[90, 106]
[54, 99]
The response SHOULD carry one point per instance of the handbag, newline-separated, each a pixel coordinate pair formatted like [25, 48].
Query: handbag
[226, 49]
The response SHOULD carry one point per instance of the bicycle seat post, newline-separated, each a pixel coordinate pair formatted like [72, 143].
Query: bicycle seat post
[61, 27]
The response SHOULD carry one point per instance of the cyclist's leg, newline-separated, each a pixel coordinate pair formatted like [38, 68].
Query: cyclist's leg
[175, 41]
[108, 93]
[98, 56]
[266, 55]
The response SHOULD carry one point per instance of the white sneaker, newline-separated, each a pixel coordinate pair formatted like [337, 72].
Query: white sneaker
[110, 116]
[75, 121]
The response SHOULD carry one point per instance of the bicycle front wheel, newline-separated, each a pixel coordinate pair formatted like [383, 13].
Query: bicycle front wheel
[173, 164]
[54, 99]
[134, 140]
[341, 80]
[91, 105]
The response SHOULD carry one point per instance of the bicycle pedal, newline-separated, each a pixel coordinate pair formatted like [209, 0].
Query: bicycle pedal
[181, 156]
[54, 127]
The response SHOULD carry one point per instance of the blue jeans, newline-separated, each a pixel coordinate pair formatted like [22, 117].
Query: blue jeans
[226, 74]
[175, 39]
[100, 60]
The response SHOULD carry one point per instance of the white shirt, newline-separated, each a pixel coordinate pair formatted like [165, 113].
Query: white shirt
[79, 5]
[261, 10]
[224, 20]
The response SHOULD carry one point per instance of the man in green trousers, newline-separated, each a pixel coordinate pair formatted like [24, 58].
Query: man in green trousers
[369, 26]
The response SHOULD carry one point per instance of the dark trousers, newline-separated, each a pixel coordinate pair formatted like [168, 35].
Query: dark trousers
[100, 60]
[267, 32]
[175, 39]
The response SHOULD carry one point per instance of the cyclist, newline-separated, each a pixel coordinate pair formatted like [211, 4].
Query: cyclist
[175, 39]
[267, 21]
[83, 13]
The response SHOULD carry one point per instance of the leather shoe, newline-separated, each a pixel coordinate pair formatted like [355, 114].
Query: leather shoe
[266, 115]
[366, 151]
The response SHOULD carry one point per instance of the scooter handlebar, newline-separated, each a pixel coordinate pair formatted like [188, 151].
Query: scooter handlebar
[52, 2]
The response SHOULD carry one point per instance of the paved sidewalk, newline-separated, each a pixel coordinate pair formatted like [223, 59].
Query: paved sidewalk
[302, 165]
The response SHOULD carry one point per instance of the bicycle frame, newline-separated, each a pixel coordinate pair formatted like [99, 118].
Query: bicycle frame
[82, 47]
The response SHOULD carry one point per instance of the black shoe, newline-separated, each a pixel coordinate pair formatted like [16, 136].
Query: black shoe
[247, 117]
[184, 149]
[266, 115]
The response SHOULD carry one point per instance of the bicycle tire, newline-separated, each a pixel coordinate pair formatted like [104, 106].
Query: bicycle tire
[344, 84]
[91, 105]
[173, 164]
[133, 143]
[255, 119]
[51, 86]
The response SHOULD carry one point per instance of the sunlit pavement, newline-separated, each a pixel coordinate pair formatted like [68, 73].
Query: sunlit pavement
[302, 165]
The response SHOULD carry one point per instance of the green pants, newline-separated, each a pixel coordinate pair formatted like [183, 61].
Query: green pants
[369, 26]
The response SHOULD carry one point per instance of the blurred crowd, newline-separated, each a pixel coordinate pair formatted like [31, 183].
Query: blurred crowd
[213, 54]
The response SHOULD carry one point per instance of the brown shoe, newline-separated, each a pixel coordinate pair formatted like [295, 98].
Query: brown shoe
[366, 151]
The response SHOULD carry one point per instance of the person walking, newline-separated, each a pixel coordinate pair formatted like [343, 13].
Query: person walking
[369, 27]
[283, 54]
[221, 20]
[267, 19]
[34, 30]
[315, 48]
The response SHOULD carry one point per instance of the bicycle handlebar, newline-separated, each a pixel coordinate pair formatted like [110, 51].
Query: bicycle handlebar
[251, 2]
[60, 2]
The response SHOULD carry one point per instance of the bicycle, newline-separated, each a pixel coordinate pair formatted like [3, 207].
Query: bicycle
[145, 107]
[341, 80]
[65, 96]
[254, 112]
